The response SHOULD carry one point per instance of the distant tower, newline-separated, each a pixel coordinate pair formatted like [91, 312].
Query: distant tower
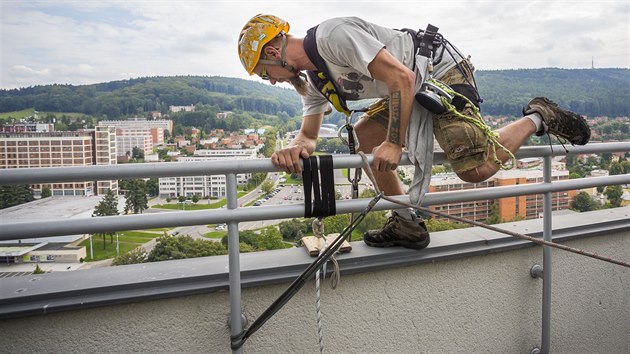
[592, 63]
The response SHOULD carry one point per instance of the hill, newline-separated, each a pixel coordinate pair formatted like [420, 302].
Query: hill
[592, 92]
[132, 97]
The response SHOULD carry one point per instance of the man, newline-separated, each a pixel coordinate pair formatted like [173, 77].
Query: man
[363, 60]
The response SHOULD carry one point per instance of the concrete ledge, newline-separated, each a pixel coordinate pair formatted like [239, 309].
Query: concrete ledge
[55, 292]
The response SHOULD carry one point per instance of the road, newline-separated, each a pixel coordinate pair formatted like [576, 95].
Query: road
[287, 195]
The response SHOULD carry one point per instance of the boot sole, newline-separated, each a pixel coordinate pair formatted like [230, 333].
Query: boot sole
[405, 244]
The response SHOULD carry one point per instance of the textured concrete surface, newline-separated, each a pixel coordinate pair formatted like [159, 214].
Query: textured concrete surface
[475, 304]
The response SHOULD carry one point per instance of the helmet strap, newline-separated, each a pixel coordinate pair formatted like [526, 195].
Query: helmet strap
[282, 62]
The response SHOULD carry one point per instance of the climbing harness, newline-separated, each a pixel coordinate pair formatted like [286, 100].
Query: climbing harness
[440, 98]
[477, 120]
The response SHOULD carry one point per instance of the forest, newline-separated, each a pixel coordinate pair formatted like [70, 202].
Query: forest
[590, 92]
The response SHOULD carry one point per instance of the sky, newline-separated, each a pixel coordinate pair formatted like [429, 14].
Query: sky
[86, 42]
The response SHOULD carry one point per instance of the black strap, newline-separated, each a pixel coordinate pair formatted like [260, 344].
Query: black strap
[328, 185]
[467, 91]
[321, 77]
[317, 194]
[323, 203]
[308, 185]
[310, 47]
[426, 46]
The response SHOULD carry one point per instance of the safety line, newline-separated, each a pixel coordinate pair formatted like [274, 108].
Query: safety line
[238, 340]
[368, 171]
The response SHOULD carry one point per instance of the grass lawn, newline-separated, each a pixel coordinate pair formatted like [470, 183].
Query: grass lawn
[289, 180]
[215, 234]
[30, 111]
[17, 114]
[201, 205]
[128, 240]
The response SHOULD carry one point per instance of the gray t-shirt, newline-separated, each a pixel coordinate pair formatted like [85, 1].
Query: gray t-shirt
[348, 45]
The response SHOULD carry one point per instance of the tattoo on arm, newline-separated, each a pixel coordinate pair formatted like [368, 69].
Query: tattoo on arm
[393, 135]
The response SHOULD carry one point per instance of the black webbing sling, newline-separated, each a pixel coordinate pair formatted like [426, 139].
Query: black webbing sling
[319, 198]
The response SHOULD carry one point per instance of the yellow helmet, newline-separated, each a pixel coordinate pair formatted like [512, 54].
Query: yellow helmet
[258, 31]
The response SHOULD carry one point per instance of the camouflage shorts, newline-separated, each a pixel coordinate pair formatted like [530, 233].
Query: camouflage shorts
[465, 145]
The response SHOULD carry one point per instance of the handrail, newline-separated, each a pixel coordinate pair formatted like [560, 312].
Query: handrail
[44, 228]
[233, 215]
[180, 169]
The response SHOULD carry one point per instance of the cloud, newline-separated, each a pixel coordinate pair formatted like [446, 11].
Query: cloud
[86, 42]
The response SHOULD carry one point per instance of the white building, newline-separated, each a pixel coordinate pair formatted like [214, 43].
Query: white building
[174, 109]
[165, 124]
[138, 132]
[127, 141]
[204, 186]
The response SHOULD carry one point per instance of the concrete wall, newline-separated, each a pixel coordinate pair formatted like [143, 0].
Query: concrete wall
[469, 305]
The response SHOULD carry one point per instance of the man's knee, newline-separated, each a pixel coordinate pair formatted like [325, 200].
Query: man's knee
[475, 175]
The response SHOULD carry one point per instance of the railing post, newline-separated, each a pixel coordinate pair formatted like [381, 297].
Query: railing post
[546, 296]
[236, 323]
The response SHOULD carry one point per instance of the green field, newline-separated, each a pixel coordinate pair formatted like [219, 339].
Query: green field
[18, 114]
[30, 112]
[128, 240]
[201, 205]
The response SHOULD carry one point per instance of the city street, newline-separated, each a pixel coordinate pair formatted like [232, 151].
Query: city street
[286, 195]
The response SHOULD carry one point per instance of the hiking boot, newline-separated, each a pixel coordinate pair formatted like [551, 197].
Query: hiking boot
[399, 231]
[559, 122]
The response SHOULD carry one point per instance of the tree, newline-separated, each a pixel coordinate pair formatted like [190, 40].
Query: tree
[616, 168]
[493, 216]
[246, 236]
[434, 225]
[291, 229]
[267, 186]
[613, 194]
[46, 192]
[15, 195]
[39, 270]
[183, 246]
[153, 187]
[336, 223]
[584, 202]
[136, 197]
[137, 153]
[269, 239]
[374, 220]
[135, 256]
[194, 198]
[108, 206]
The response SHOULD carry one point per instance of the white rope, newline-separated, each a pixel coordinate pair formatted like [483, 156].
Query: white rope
[318, 231]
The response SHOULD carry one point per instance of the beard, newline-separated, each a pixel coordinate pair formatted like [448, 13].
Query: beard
[299, 84]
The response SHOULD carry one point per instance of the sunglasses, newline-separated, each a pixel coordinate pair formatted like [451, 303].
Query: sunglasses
[263, 73]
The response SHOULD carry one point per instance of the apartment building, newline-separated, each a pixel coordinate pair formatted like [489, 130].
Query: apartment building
[58, 149]
[530, 206]
[526, 207]
[141, 123]
[204, 186]
[28, 128]
[478, 210]
[138, 132]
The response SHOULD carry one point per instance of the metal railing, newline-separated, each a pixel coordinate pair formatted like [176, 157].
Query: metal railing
[234, 214]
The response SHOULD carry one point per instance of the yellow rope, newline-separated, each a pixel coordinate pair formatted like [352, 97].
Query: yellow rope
[478, 122]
